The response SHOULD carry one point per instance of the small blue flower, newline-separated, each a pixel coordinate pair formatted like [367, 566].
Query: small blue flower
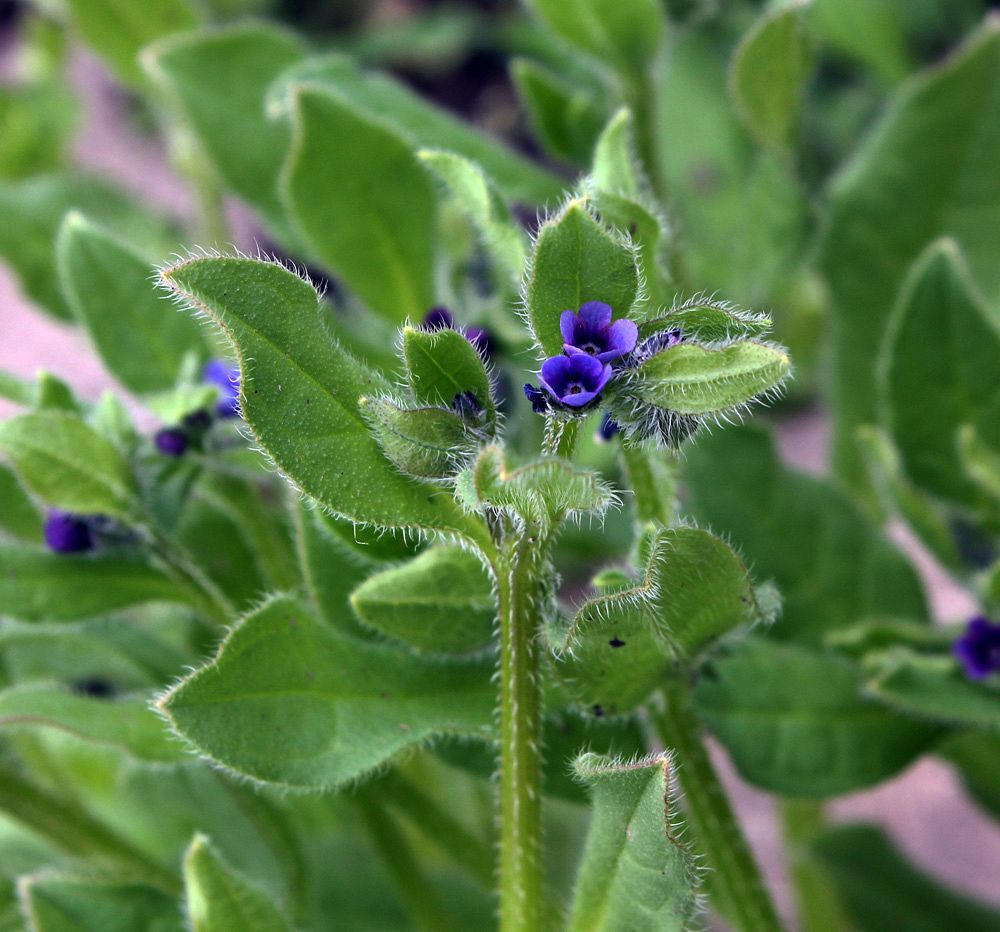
[171, 441]
[227, 379]
[609, 427]
[574, 381]
[539, 400]
[978, 650]
[67, 533]
[590, 332]
[438, 318]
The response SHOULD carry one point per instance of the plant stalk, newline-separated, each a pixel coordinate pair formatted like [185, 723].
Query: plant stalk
[652, 477]
[735, 883]
[520, 601]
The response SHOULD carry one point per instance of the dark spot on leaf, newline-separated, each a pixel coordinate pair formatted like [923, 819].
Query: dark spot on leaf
[598, 711]
[95, 687]
[616, 642]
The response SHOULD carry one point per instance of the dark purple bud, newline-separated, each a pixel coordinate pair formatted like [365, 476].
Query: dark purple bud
[574, 381]
[482, 340]
[466, 405]
[590, 332]
[198, 421]
[978, 650]
[67, 533]
[658, 342]
[95, 687]
[438, 318]
[539, 400]
[609, 427]
[227, 379]
[171, 441]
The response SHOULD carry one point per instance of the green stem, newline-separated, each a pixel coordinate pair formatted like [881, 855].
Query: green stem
[652, 476]
[520, 736]
[735, 883]
[76, 832]
[817, 904]
[561, 437]
[214, 603]
[397, 854]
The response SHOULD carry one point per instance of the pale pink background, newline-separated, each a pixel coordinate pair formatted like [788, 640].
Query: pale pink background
[924, 809]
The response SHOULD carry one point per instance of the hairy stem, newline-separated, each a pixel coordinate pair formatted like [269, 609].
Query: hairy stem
[520, 600]
[818, 907]
[561, 437]
[735, 883]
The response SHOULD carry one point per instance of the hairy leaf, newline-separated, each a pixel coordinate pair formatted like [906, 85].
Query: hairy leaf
[440, 602]
[577, 260]
[219, 900]
[300, 393]
[292, 702]
[635, 875]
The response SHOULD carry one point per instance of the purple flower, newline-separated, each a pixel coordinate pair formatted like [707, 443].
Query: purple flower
[438, 318]
[67, 533]
[574, 380]
[590, 332]
[539, 400]
[171, 441]
[978, 650]
[609, 427]
[227, 379]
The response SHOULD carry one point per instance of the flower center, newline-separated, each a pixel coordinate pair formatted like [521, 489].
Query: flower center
[591, 347]
[574, 388]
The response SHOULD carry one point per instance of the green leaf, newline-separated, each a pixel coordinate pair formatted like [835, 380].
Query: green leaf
[636, 874]
[220, 900]
[872, 33]
[794, 721]
[926, 170]
[896, 494]
[543, 493]
[39, 204]
[19, 517]
[68, 465]
[626, 34]
[882, 891]
[127, 724]
[696, 380]
[980, 461]
[708, 321]
[37, 585]
[976, 757]
[474, 193]
[577, 260]
[769, 71]
[832, 566]
[295, 375]
[139, 336]
[931, 387]
[932, 688]
[63, 903]
[566, 118]
[423, 125]
[440, 602]
[39, 119]
[623, 644]
[441, 364]
[217, 80]
[333, 707]
[347, 164]
[623, 197]
[117, 30]
[426, 443]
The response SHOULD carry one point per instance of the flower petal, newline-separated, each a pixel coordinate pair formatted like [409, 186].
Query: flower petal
[622, 336]
[567, 326]
[595, 315]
